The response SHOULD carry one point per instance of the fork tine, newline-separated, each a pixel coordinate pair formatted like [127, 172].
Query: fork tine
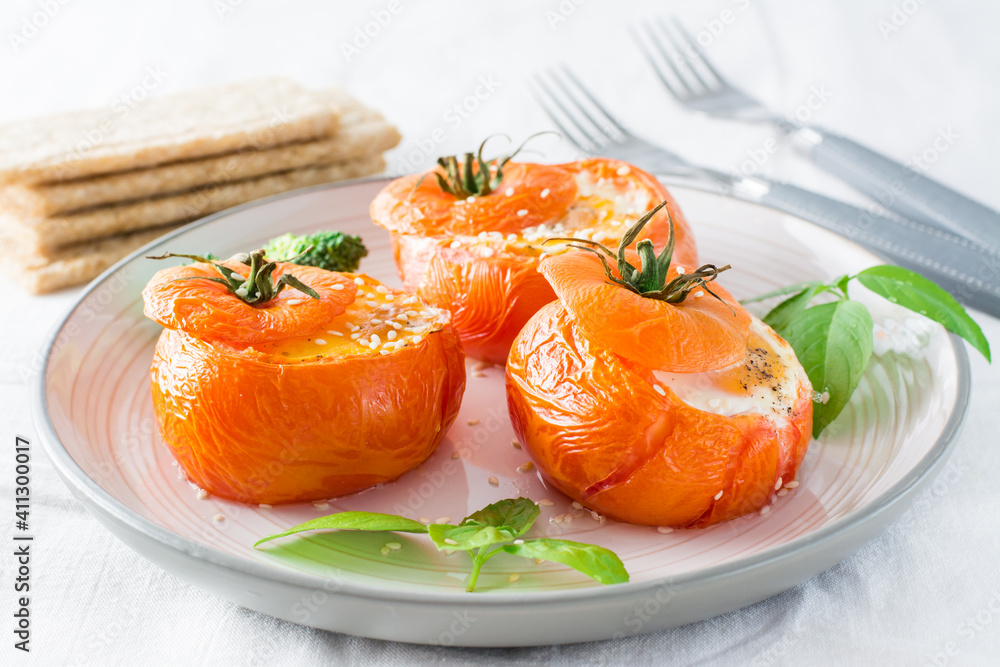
[700, 51]
[686, 52]
[576, 113]
[554, 109]
[605, 114]
[656, 38]
[603, 137]
[654, 61]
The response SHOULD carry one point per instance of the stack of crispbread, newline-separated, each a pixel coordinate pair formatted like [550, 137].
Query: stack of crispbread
[79, 191]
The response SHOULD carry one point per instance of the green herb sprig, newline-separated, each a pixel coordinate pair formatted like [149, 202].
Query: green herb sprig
[833, 341]
[495, 529]
[258, 286]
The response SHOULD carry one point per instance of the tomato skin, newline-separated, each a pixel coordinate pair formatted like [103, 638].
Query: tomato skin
[253, 431]
[599, 432]
[491, 298]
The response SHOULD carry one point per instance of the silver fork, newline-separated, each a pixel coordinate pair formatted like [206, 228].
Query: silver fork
[686, 72]
[594, 131]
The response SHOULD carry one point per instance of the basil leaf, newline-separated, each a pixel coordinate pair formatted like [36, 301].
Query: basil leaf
[782, 291]
[913, 291]
[371, 521]
[468, 536]
[596, 562]
[785, 312]
[833, 342]
[516, 514]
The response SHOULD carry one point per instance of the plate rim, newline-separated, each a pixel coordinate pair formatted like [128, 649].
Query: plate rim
[82, 485]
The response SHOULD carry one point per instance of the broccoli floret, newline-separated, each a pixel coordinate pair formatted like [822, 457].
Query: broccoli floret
[333, 251]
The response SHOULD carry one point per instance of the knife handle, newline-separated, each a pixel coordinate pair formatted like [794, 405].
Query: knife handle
[900, 188]
[959, 266]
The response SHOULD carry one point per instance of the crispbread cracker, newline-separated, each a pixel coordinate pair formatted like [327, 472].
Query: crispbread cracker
[362, 132]
[257, 114]
[78, 263]
[44, 236]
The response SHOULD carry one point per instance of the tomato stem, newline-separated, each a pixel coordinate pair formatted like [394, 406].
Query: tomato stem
[258, 287]
[651, 280]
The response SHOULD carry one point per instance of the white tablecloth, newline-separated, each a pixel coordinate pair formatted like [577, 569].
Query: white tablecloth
[893, 73]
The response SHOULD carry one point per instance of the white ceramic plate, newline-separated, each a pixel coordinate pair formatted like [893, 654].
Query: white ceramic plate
[95, 415]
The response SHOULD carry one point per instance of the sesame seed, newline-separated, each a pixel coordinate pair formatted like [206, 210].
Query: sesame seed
[545, 502]
[376, 340]
[417, 339]
[382, 289]
[493, 481]
[202, 494]
[777, 485]
[218, 518]
[353, 327]
[411, 313]
[442, 519]
[424, 519]
[765, 509]
[321, 504]
[699, 293]
[509, 192]
[395, 546]
[525, 467]
[470, 200]
[338, 287]
[448, 540]
[791, 485]
[577, 505]
[523, 212]
[372, 345]
[396, 325]
[355, 336]
[472, 422]
[384, 352]
[391, 335]
[556, 519]
[514, 577]
[390, 297]
[664, 529]
[544, 193]
[515, 444]
[264, 506]
[359, 282]
[293, 302]
[782, 493]
[371, 303]
[335, 333]
[659, 390]
[718, 496]
[320, 341]
[680, 269]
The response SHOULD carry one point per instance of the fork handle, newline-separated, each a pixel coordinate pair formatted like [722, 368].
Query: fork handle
[968, 272]
[900, 188]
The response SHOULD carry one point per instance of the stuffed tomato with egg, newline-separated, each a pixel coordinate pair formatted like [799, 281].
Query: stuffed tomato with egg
[650, 395]
[470, 238]
[279, 383]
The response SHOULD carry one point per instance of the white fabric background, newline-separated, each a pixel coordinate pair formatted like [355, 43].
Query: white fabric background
[929, 585]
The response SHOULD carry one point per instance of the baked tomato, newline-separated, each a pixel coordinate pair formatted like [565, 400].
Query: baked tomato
[655, 398]
[299, 398]
[477, 254]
